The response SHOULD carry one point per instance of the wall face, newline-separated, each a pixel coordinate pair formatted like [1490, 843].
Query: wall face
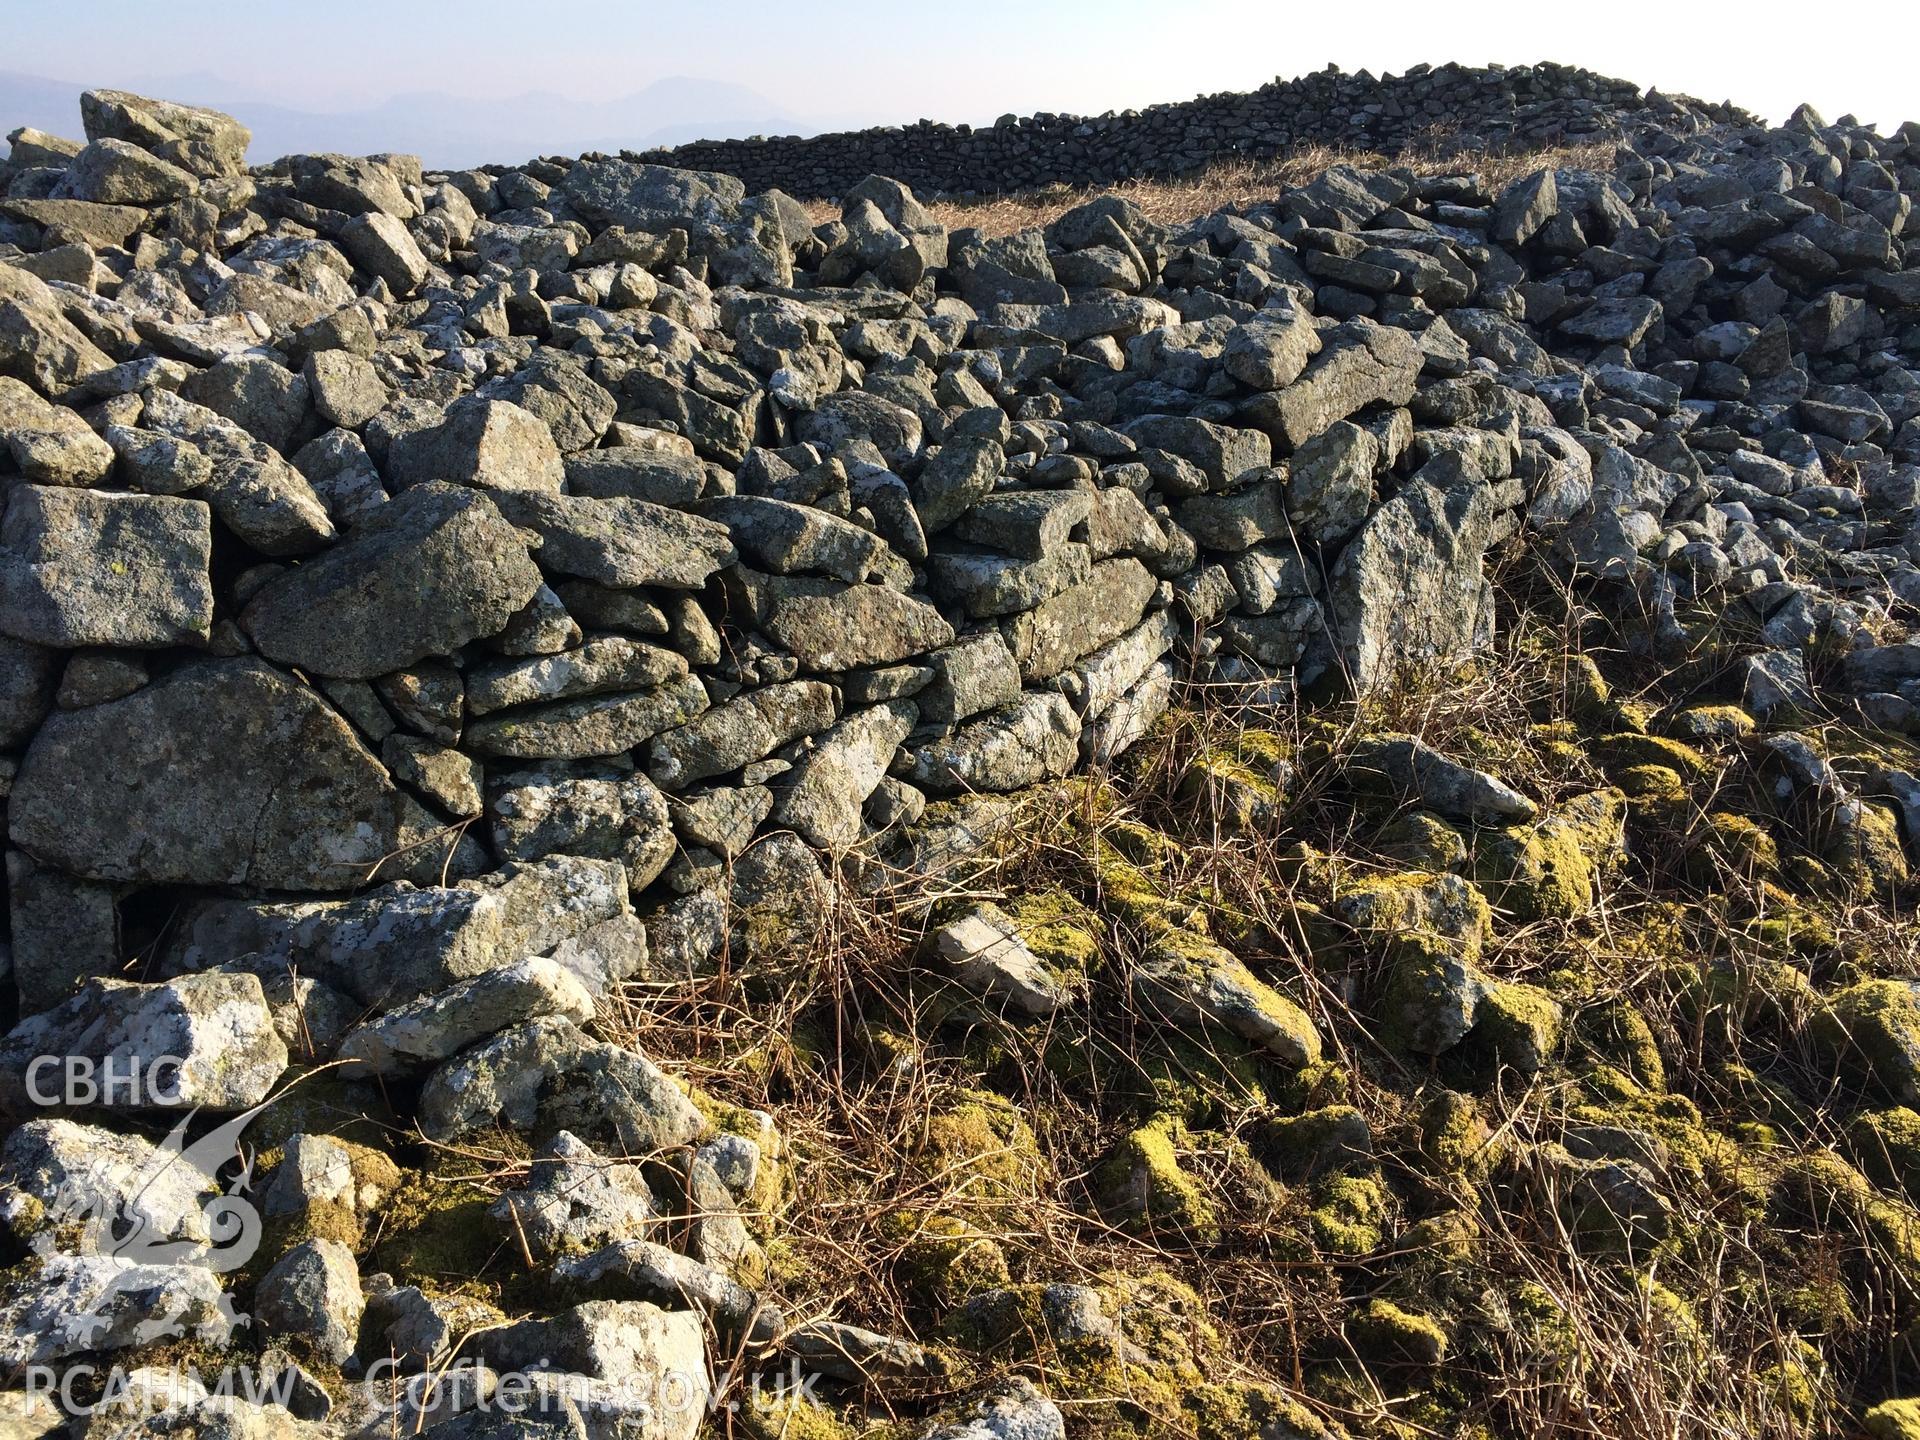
[1500, 109]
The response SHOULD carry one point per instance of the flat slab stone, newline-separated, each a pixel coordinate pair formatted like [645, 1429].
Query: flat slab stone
[85, 567]
[225, 772]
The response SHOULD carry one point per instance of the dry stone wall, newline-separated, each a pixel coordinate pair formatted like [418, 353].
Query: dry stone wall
[1446, 107]
[429, 601]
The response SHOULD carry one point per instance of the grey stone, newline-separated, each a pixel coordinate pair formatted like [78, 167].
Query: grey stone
[828, 626]
[984, 585]
[1225, 454]
[84, 567]
[488, 444]
[69, 1305]
[622, 543]
[1524, 206]
[740, 731]
[1405, 768]
[1058, 631]
[983, 951]
[582, 729]
[447, 778]
[602, 663]
[961, 473]
[48, 443]
[29, 678]
[380, 245]
[971, 675]
[576, 1201]
[561, 808]
[260, 395]
[1409, 590]
[546, 1070]
[216, 1026]
[821, 798]
[65, 1167]
[1037, 738]
[1030, 524]
[346, 390]
[254, 492]
[226, 773]
[1359, 364]
[435, 1027]
[788, 539]
[1184, 977]
[631, 473]
[422, 576]
[66, 931]
[197, 139]
[1269, 350]
[37, 341]
[1329, 485]
[312, 1294]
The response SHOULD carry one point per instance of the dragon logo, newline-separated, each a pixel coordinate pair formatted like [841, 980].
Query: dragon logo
[225, 1236]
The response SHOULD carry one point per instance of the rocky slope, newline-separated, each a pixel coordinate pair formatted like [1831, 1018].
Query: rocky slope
[1293, 826]
[1449, 108]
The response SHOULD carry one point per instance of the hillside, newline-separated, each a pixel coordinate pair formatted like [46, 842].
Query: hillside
[1280, 803]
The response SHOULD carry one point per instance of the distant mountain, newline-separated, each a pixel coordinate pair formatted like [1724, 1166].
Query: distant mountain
[446, 130]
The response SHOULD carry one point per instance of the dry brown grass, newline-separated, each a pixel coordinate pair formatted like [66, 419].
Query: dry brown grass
[1235, 182]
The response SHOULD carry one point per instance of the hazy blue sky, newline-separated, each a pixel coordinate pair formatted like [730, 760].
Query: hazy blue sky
[961, 60]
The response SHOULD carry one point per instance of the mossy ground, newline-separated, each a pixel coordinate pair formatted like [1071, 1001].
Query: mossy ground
[1664, 1182]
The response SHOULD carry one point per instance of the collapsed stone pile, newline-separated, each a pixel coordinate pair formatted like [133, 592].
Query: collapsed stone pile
[1455, 107]
[432, 601]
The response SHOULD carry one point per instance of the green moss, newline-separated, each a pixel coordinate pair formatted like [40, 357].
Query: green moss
[1382, 1332]
[1137, 1369]
[1654, 792]
[1349, 1215]
[1143, 1186]
[772, 1180]
[1236, 788]
[1541, 1323]
[1669, 1320]
[943, 1256]
[1623, 751]
[1456, 1139]
[1894, 1420]
[376, 1179]
[1451, 1238]
[1548, 870]
[1886, 1145]
[1406, 914]
[1302, 1147]
[1712, 722]
[1766, 1101]
[1874, 1027]
[1198, 1076]
[1793, 1385]
[1732, 992]
[1063, 934]
[1236, 1410]
[1725, 843]
[435, 1228]
[1584, 690]
[770, 1415]
[1423, 841]
[1614, 1031]
[1134, 890]
[1522, 1024]
[1867, 854]
[1822, 1190]
[980, 1152]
